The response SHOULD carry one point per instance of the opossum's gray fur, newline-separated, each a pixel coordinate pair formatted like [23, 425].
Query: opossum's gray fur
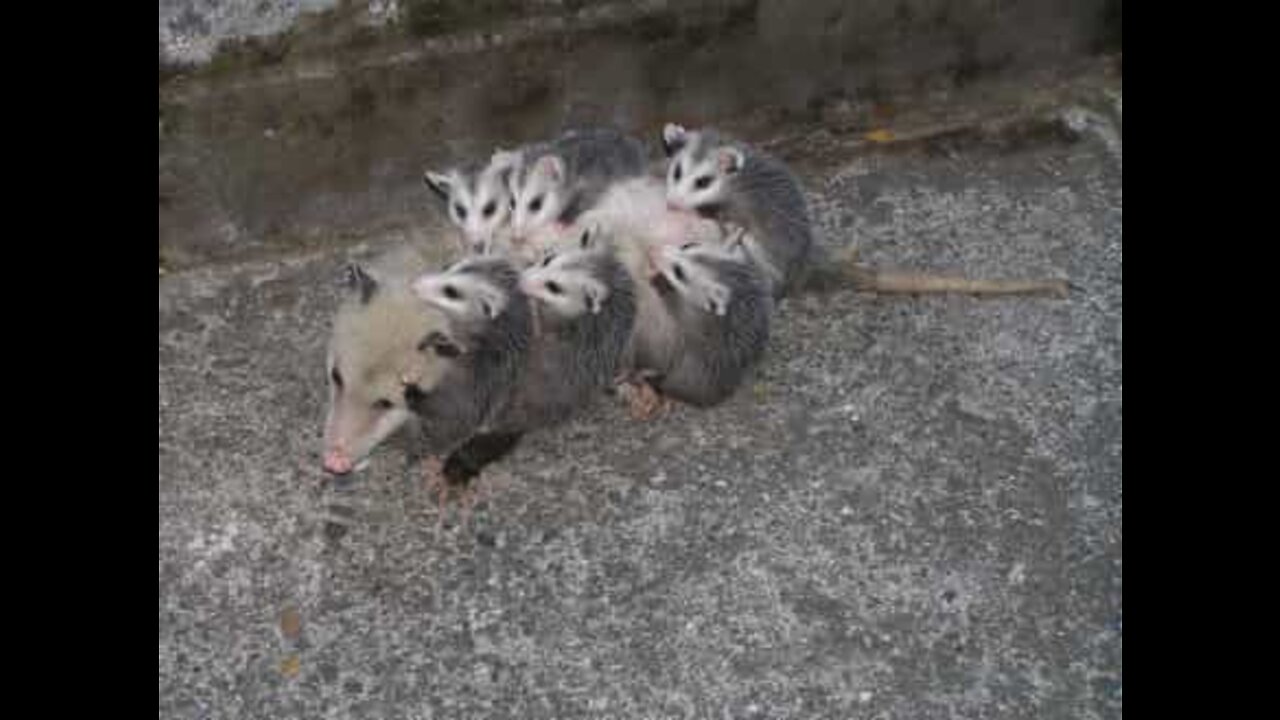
[715, 352]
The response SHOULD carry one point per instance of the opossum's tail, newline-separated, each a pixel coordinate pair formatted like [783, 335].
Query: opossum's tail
[832, 271]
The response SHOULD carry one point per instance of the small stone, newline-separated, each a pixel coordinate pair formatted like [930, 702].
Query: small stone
[290, 623]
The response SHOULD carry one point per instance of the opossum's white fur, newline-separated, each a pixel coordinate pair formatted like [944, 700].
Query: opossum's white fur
[477, 199]
[374, 347]
[633, 215]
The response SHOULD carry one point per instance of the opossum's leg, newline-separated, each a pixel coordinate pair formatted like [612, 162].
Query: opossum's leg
[433, 473]
[467, 461]
[643, 401]
[465, 465]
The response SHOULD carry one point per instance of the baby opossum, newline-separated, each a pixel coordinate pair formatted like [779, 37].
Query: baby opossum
[727, 180]
[722, 308]
[559, 180]
[632, 222]
[585, 306]
[477, 198]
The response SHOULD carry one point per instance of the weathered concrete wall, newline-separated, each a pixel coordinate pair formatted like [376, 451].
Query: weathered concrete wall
[322, 132]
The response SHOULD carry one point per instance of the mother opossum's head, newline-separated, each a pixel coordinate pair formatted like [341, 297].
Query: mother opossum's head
[388, 349]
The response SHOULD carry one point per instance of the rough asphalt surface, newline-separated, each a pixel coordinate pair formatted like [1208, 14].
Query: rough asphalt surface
[914, 512]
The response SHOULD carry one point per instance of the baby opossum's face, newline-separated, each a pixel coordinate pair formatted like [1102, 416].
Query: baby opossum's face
[463, 291]
[699, 172]
[688, 269]
[479, 205]
[563, 283]
[538, 197]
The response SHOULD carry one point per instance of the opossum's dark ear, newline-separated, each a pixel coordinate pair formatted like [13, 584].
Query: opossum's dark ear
[491, 303]
[674, 137]
[356, 279]
[594, 295]
[718, 299]
[441, 185]
[440, 344]
[731, 160]
[505, 162]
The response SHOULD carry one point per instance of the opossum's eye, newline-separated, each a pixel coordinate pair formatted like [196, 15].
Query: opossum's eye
[703, 182]
[383, 405]
[678, 173]
[686, 246]
[547, 260]
[337, 377]
[554, 288]
[490, 209]
[536, 204]
[461, 211]
[413, 395]
[451, 292]
[678, 272]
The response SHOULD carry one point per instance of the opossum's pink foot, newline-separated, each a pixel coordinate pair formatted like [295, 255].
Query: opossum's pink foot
[643, 402]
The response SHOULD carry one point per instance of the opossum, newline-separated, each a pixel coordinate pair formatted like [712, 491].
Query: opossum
[477, 198]
[396, 361]
[559, 180]
[585, 306]
[728, 180]
[722, 309]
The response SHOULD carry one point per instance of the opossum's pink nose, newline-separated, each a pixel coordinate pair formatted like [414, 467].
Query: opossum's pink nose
[337, 463]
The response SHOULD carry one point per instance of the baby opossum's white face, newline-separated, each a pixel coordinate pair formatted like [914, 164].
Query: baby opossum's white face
[698, 176]
[479, 206]
[687, 271]
[538, 197]
[461, 293]
[564, 285]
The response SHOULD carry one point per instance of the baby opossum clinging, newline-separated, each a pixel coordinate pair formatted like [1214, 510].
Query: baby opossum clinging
[727, 180]
[477, 198]
[557, 181]
[721, 308]
[585, 308]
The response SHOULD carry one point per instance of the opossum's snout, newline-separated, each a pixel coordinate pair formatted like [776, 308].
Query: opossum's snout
[337, 463]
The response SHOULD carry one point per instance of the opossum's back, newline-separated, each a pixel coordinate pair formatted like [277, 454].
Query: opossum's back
[602, 154]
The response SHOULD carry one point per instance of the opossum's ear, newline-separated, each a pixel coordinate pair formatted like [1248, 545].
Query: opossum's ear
[356, 279]
[491, 303]
[594, 294]
[505, 163]
[718, 299]
[552, 167]
[731, 160]
[440, 344]
[736, 243]
[440, 184]
[590, 237]
[674, 137]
